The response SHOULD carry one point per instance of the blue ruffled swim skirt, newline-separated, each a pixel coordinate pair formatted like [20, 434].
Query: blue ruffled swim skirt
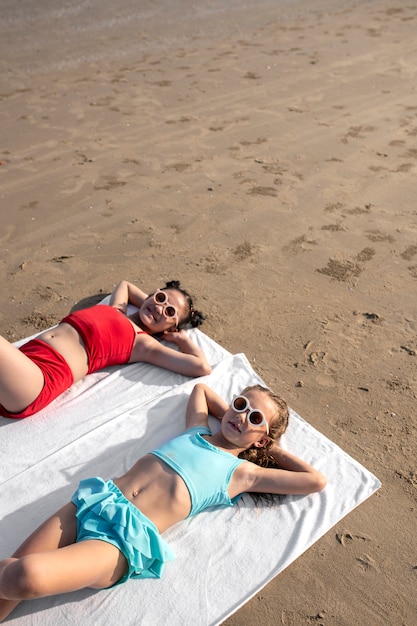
[104, 513]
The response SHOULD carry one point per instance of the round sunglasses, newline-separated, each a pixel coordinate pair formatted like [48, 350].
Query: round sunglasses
[256, 417]
[160, 297]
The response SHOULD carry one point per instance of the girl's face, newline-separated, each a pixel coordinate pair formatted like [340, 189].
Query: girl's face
[238, 427]
[162, 310]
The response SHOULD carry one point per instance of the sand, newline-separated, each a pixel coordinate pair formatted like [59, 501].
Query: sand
[263, 153]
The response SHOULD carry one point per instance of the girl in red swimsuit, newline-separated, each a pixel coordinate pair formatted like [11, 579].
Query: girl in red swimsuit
[91, 339]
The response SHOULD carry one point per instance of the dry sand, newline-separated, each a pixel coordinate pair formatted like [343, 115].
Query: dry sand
[264, 153]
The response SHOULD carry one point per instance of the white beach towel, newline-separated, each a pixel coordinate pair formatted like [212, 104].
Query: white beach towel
[99, 428]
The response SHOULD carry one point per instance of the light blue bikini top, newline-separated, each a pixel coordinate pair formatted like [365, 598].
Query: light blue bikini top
[205, 469]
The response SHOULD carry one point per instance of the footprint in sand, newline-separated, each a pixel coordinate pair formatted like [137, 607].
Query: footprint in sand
[111, 182]
[244, 251]
[367, 562]
[413, 270]
[377, 235]
[263, 191]
[409, 253]
[177, 167]
[344, 538]
[341, 270]
[357, 132]
[346, 269]
[334, 228]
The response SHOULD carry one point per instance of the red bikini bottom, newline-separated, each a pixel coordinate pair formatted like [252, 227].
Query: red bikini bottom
[56, 372]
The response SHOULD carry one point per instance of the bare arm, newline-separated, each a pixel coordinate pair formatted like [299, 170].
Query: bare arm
[189, 360]
[202, 402]
[127, 293]
[294, 475]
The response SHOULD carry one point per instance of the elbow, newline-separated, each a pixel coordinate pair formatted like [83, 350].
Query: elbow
[121, 284]
[204, 370]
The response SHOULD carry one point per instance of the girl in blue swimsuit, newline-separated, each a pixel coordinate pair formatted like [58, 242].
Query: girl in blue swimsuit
[111, 530]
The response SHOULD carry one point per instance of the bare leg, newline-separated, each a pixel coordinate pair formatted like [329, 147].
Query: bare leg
[58, 531]
[49, 562]
[6, 606]
[21, 381]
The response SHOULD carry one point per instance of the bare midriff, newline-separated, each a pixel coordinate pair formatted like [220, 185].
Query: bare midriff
[157, 490]
[67, 341]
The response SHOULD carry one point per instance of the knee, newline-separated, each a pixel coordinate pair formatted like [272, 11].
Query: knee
[22, 579]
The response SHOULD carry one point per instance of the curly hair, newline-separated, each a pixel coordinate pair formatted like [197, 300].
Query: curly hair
[277, 427]
[192, 318]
